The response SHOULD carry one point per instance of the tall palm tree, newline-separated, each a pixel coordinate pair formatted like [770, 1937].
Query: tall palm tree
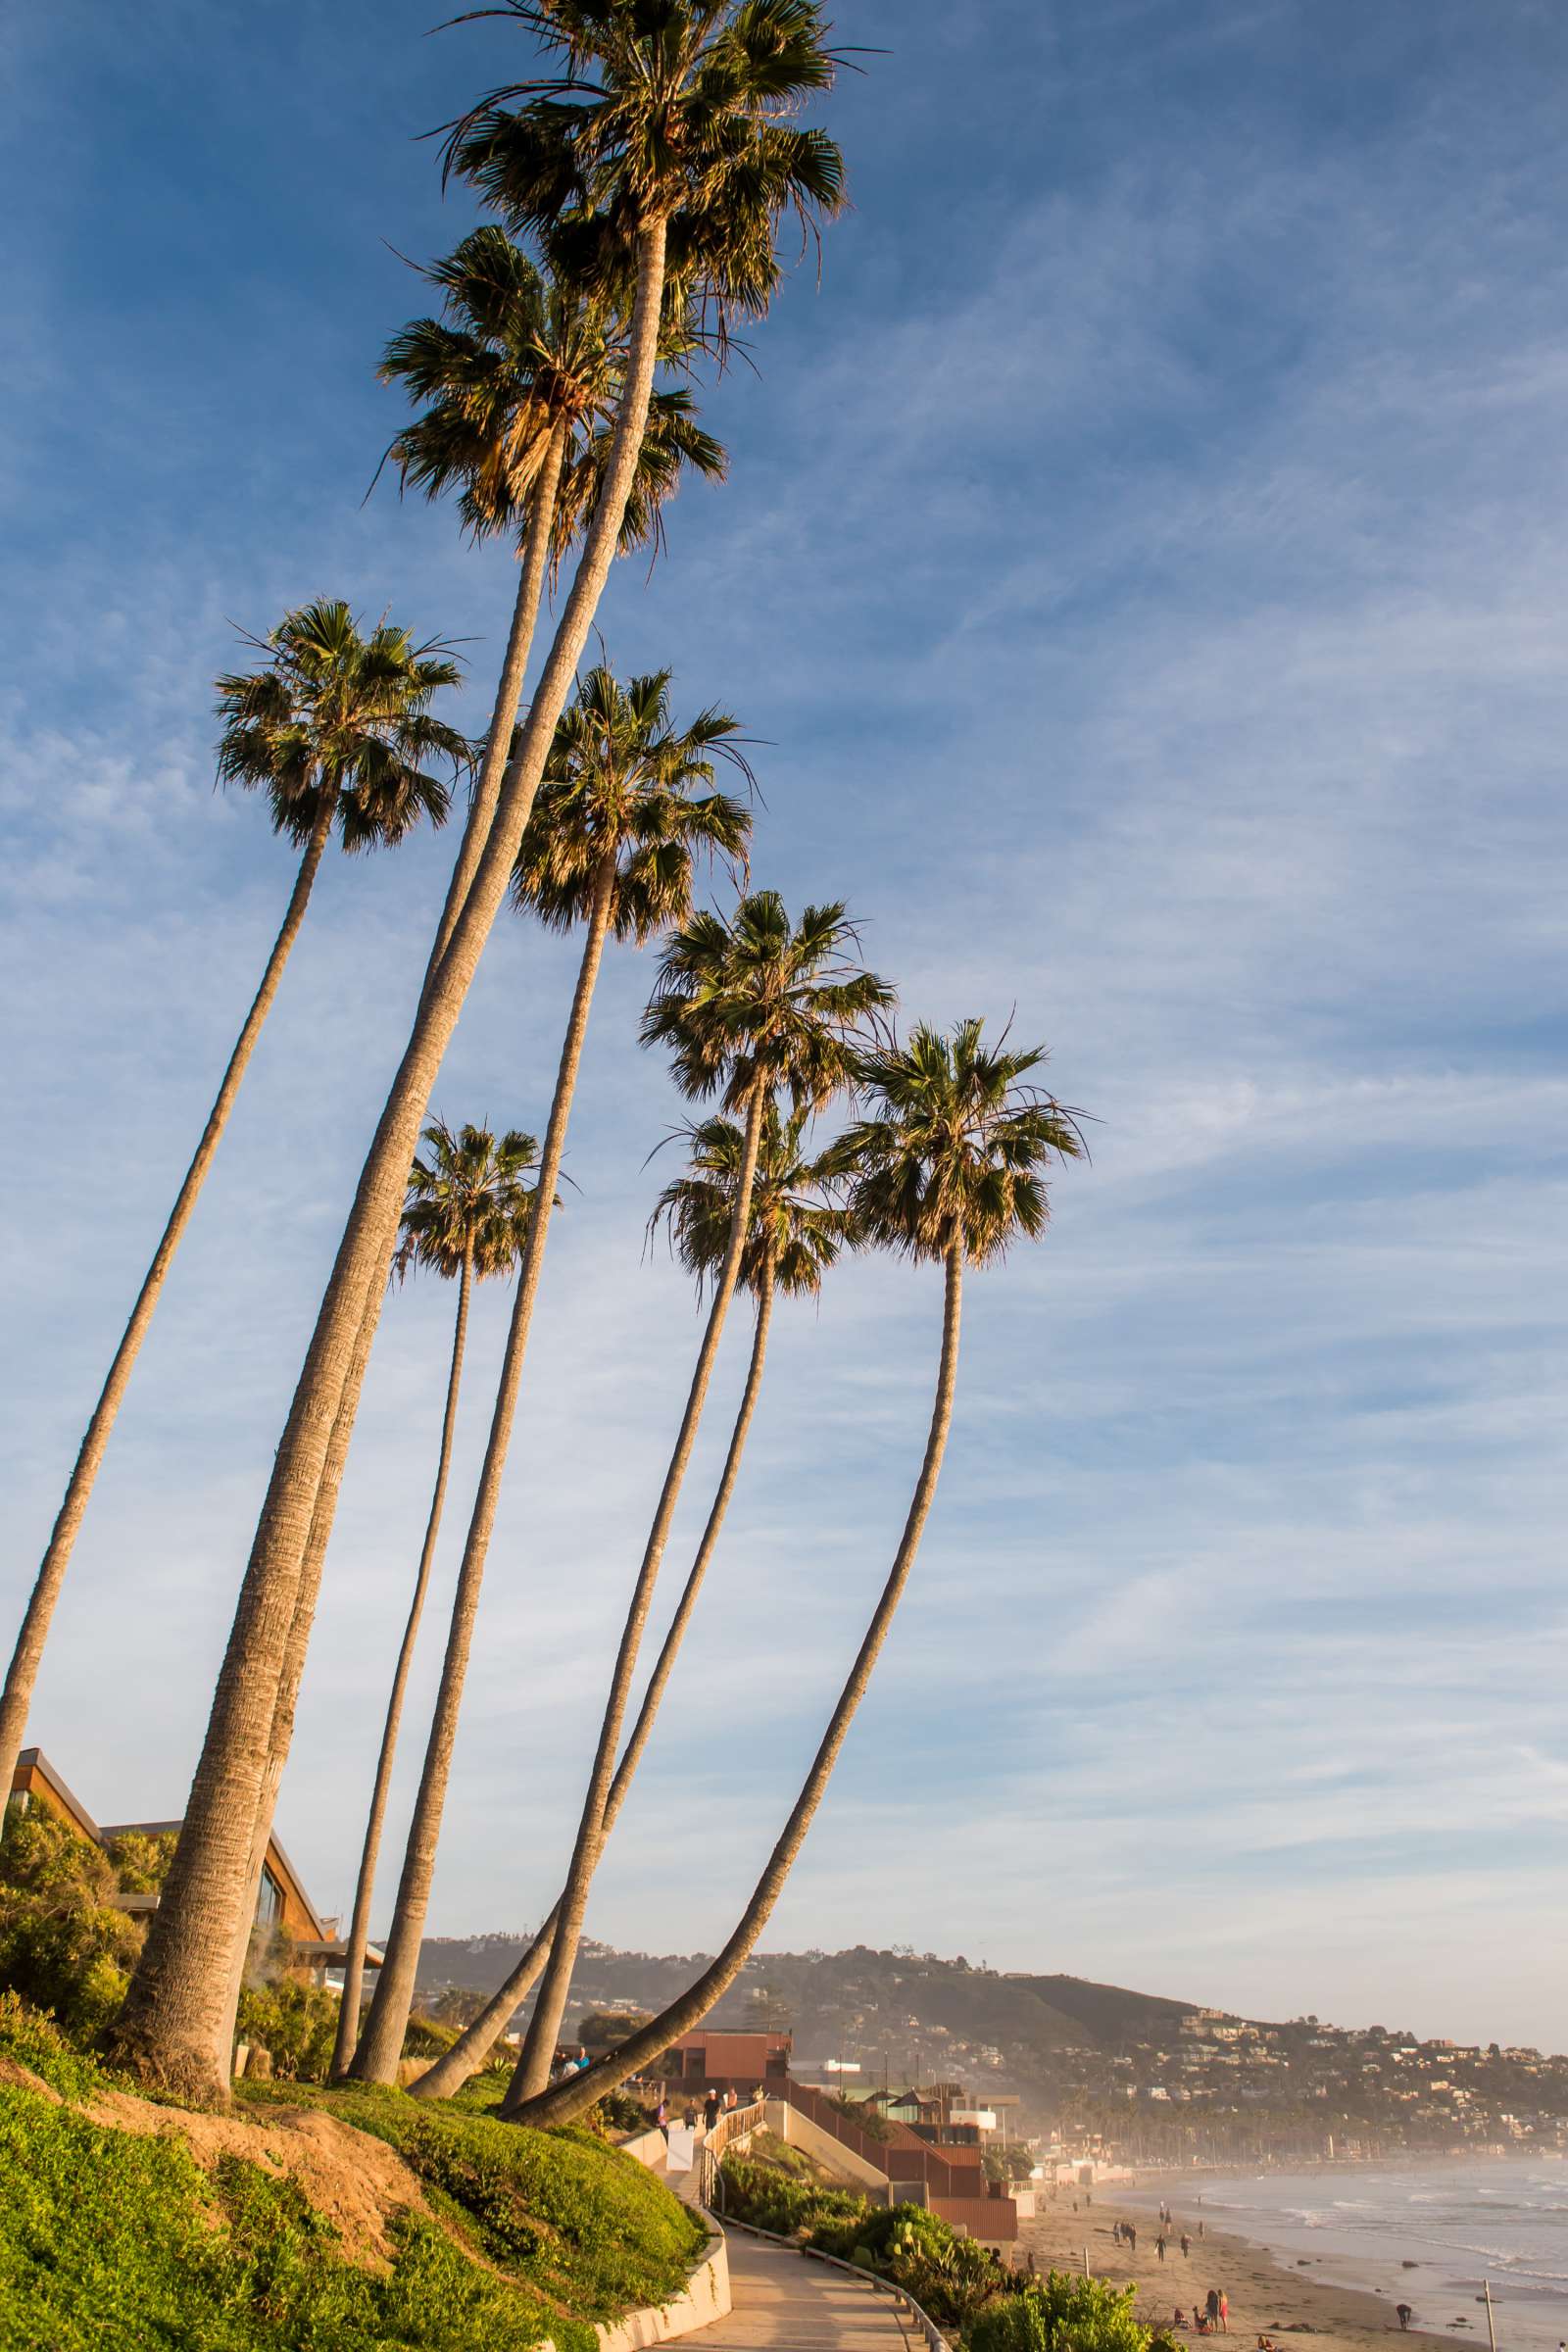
[520, 379]
[669, 127]
[749, 1004]
[336, 730]
[521, 375]
[468, 1211]
[795, 1234]
[947, 1169]
[611, 845]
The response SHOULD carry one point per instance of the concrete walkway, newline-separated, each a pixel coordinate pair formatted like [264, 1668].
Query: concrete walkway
[785, 2303]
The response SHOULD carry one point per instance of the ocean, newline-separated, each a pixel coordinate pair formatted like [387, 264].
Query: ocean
[1458, 2220]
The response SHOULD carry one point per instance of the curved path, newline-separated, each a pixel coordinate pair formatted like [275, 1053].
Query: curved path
[783, 2302]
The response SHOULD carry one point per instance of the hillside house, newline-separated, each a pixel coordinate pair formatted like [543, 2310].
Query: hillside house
[282, 1904]
[707, 2061]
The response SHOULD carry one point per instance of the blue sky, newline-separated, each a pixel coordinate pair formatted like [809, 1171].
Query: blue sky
[1143, 562]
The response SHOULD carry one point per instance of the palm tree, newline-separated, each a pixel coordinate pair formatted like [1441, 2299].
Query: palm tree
[948, 1170]
[612, 845]
[794, 1236]
[749, 1004]
[470, 1208]
[520, 374]
[336, 730]
[520, 379]
[669, 128]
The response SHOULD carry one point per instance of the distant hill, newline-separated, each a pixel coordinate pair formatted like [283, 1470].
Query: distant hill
[899, 2013]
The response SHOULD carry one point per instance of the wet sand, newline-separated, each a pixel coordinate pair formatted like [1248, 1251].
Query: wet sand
[1266, 2297]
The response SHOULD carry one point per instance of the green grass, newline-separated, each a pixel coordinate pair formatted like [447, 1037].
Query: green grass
[586, 2226]
[109, 2239]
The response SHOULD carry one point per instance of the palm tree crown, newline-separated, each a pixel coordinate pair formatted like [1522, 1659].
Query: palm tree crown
[794, 1231]
[470, 1197]
[516, 357]
[618, 795]
[953, 1153]
[337, 712]
[672, 112]
[752, 999]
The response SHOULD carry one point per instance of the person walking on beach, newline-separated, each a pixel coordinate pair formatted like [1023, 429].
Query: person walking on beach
[1224, 2312]
[1131, 2236]
[1200, 2229]
[1211, 2306]
[1403, 2313]
[1187, 2245]
[1160, 2245]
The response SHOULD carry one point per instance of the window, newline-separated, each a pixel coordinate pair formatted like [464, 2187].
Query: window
[269, 1900]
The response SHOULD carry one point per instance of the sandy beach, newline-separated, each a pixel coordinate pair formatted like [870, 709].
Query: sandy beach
[1266, 2298]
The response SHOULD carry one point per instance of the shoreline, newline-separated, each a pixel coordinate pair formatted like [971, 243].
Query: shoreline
[1268, 2295]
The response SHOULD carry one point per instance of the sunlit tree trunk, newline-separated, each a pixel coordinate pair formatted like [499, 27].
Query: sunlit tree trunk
[475, 833]
[565, 2102]
[474, 2044]
[544, 2028]
[348, 2018]
[376, 2060]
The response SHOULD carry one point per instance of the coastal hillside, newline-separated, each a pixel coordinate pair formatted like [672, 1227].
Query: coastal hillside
[1153, 2076]
[901, 2012]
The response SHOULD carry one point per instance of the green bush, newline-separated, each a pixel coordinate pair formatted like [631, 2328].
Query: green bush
[64, 1946]
[296, 2024]
[1059, 2312]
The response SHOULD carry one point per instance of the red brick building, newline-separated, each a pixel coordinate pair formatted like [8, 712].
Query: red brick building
[707, 2061]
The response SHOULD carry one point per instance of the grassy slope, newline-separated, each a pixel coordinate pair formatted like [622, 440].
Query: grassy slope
[109, 2240]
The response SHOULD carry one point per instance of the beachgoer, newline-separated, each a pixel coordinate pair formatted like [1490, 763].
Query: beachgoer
[1200, 2229]
[1211, 2306]
[1160, 2245]
[1403, 2313]
[1224, 2312]
[662, 2117]
[1115, 2233]
[689, 2119]
[1131, 2235]
[1187, 2245]
[711, 2110]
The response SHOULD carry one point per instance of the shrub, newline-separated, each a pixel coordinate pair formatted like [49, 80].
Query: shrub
[1059, 2312]
[64, 1946]
[295, 2024]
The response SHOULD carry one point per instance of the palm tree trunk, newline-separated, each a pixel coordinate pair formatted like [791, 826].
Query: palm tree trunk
[477, 2039]
[22, 1673]
[171, 2030]
[567, 2102]
[524, 615]
[298, 1644]
[348, 2017]
[508, 693]
[539, 2045]
[376, 2060]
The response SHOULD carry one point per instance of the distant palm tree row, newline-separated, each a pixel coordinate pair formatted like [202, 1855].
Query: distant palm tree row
[639, 177]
